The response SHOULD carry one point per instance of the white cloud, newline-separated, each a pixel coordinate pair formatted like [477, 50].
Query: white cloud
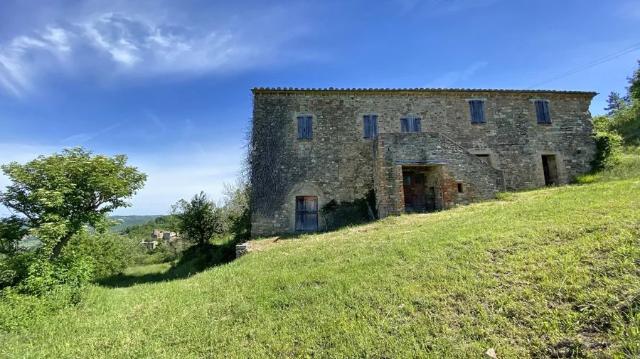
[127, 43]
[17, 64]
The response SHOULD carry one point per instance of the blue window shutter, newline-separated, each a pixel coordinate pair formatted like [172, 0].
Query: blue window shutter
[417, 124]
[367, 126]
[542, 112]
[477, 111]
[472, 110]
[404, 124]
[305, 127]
[547, 115]
[374, 127]
[309, 127]
[539, 112]
[301, 123]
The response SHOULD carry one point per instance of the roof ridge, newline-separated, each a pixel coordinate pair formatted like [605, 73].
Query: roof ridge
[414, 89]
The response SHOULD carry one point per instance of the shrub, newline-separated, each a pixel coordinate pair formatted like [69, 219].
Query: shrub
[608, 150]
[343, 214]
[164, 252]
[108, 253]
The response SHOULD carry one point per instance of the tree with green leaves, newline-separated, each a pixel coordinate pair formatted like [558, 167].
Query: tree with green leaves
[12, 229]
[236, 209]
[634, 84]
[623, 113]
[59, 195]
[199, 219]
[615, 102]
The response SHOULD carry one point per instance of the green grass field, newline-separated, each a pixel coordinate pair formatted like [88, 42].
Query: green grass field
[551, 272]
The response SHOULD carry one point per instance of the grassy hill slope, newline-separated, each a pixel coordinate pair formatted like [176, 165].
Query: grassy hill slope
[540, 273]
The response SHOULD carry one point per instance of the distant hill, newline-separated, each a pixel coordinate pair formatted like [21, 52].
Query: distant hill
[130, 221]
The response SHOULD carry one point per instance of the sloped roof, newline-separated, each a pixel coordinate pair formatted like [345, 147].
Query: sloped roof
[409, 90]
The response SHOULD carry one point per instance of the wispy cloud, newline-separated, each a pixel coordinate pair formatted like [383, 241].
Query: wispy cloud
[455, 78]
[82, 138]
[19, 58]
[439, 7]
[124, 43]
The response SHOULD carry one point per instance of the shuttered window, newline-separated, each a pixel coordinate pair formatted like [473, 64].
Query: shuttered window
[306, 213]
[410, 124]
[370, 126]
[542, 112]
[477, 111]
[305, 127]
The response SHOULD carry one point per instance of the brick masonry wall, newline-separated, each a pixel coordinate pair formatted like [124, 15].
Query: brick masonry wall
[338, 163]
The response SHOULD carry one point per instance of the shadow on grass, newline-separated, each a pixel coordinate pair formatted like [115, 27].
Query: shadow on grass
[193, 260]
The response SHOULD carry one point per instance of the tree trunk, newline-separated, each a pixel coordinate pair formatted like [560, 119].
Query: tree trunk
[58, 247]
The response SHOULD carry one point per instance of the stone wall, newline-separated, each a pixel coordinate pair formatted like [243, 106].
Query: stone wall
[338, 163]
[456, 165]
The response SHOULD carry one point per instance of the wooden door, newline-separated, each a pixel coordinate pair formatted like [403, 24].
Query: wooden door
[414, 192]
[306, 213]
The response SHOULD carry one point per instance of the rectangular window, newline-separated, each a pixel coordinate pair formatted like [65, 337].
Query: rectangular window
[305, 127]
[306, 213]
[410, 124]
[542, 112]
[370, 126]
[460, 188]
[477, 111]
[484, 157]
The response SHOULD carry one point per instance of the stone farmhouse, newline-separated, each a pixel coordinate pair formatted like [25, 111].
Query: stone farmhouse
[416, 150]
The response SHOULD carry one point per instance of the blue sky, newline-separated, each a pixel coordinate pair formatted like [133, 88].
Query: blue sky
[168, 82]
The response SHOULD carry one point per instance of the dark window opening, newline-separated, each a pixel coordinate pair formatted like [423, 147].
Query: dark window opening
[477, 111]
[306, 213]
[542, 112]
[550, 169]
[305, 127]
[410, 124]
[370, 126]
[484, 157]
[460, 188]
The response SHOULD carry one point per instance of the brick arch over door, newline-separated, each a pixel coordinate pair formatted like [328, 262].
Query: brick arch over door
[304, 189]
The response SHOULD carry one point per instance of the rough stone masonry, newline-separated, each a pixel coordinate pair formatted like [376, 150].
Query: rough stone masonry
[416, 149]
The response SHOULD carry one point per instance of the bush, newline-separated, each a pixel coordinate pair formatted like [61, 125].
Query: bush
[608, 150]
[626, 122]
[164, 252]
[343, 214]
[108, 253]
